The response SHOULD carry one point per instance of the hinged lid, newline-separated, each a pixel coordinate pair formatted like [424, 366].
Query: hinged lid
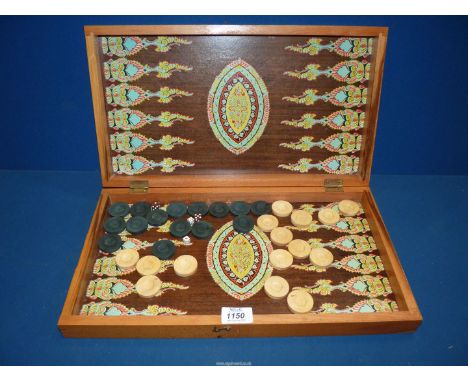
[333, 185]
[139, 186]
[189, 106]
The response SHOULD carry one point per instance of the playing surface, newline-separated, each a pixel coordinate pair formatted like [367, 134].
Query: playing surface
[356, 281]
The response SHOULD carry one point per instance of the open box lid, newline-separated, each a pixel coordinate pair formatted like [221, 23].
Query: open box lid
[217, 106]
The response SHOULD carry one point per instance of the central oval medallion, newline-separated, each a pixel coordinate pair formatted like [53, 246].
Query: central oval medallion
[238, 107]
[240, 256]
[238, 262]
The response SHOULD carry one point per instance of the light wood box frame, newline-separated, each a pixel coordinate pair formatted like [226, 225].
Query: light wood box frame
[299, 188]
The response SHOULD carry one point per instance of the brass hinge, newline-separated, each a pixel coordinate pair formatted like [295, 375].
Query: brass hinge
[139, 186]
[333, 185]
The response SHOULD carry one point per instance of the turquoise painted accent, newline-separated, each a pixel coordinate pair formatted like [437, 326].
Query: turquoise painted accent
[225, 79]
[129, 245]
[344, 71]
[347, 243]
[113, 311]
[129, 44]
[133, 95]
[334, 165]
[336, 143]
[134, 119]
[346, 46]
[338, 120]
[360, 286]
[119, 288]
[137, 165]
[366, 309]
[341, 96]
[230, 285]
[254, 85]
[131, 70]
[342, 225]
[354, 264]
[136, 142]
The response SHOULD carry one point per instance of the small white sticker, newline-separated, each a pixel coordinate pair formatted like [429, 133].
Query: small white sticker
[236, 315]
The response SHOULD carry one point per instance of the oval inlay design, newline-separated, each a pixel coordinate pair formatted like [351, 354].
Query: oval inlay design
[238, 107]
[238, 262]
[240, 256]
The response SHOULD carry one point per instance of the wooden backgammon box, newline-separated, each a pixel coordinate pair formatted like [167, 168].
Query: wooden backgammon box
[208, 137]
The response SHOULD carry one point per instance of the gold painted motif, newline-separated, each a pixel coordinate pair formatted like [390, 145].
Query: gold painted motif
[342, 143]
[106, 266]
[130, 142]
[344, 120]
[238, 106]
[363, 264]
[123, 46]
[346, 96]
[369, 286]
[111, 288]
[167, 119]
[112, 309]
[240, 256]
[347, 71]
[124, 70]
[239, 262]
[311, 208]
[128, 119]
[351, 47]
[130, 164]
[348, 243]
[126, 95]
[337, 164]
[347, 224]
[372, 305]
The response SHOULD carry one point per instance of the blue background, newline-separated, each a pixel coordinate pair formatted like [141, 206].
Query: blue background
[47, 124]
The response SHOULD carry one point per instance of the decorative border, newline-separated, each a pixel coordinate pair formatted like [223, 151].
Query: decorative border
[215, 246]
[372, 305]
[214, 98]
[366, 286]
[112, 309]
[351, 47]
[123, 46]
[362, 264]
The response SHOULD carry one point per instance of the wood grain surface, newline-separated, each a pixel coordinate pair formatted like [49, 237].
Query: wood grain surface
[208, 54]
[204, 296]
[275, 323]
